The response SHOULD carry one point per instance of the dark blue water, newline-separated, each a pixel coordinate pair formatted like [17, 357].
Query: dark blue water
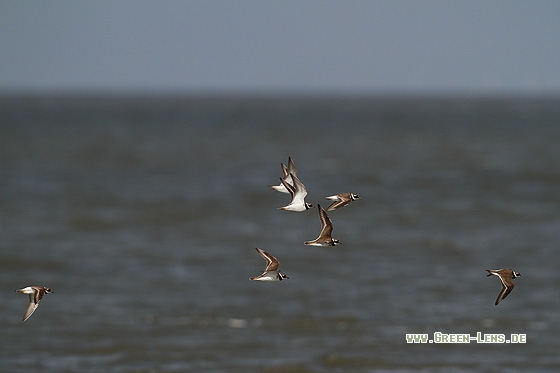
[143, 214]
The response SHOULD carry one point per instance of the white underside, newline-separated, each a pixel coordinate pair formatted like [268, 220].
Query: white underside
[322, 244]
[269, 277]
[294, 207]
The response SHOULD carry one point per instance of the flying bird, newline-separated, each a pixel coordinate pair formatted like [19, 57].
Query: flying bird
[298, 193]
[271, 272]
[341, 200]
[324, 238]
[506, 277]
[36, 293]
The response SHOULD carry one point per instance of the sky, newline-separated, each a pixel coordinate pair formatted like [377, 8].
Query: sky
[304, 46]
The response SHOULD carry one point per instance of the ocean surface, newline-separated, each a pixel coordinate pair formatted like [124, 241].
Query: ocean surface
[143, 215]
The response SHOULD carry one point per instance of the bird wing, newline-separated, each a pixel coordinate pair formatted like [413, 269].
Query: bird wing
[299, 191]
[291, 167]
[284, 170]
[326, 223]
[504, 293]
[289, 187]
[340, 200]
[31, 307]
[337, 204]
[271, 262]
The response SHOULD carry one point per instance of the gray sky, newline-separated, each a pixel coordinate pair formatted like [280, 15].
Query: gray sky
[281, 46]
